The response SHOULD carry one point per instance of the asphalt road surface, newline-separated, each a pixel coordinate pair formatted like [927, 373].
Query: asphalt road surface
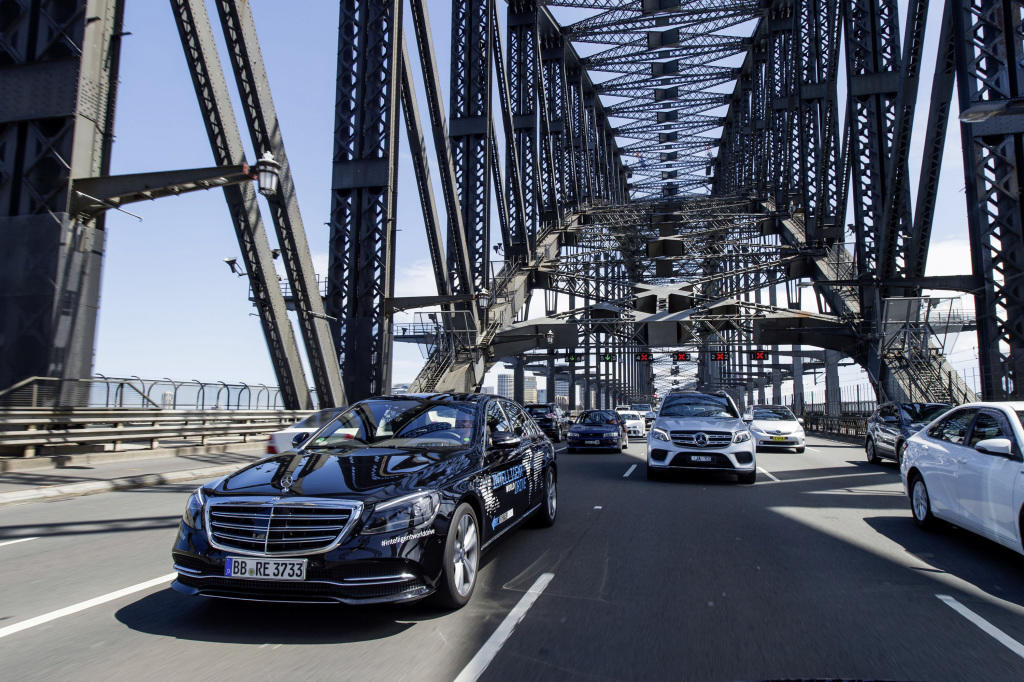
[816, 571]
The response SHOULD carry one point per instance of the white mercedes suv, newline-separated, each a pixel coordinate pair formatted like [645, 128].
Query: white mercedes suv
[700, 431]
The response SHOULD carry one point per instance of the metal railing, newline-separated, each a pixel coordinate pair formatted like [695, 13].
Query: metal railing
[136, 392]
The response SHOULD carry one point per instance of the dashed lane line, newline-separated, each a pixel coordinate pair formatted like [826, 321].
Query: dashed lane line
[630, 470]
[986, 627]
[14, 542]
[83, 605]
[478, 664]
[768, 474]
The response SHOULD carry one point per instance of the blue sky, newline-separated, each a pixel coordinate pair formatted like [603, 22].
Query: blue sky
[169, 305]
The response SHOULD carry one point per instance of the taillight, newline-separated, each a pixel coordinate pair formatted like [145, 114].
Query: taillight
[550, 415]
[271, 448]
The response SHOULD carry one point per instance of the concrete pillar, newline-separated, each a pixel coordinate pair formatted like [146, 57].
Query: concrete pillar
[798, 381]
[550, 384]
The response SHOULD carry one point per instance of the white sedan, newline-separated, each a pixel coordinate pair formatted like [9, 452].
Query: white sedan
[635, 425]
[284, 440]
[965, 467]
[776, 426]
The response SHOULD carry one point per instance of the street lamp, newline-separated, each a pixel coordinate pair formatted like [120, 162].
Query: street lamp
[550, 337]
[483, 298]
[232, 264]
[268, 174]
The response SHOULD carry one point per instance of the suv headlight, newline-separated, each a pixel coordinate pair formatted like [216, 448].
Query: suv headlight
[660, 434]
[193, 515]
[404, 513]
[741, 437]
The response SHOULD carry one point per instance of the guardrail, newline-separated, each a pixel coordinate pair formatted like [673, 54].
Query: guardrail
[126, 392]
[31, 431]
[851, 425]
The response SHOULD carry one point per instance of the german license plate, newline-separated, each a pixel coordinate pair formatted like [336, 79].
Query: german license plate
[782, 438]
[700, 458]
[255, 568]
[592, 442]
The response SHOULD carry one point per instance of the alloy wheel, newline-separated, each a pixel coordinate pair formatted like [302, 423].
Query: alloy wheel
[466, 555]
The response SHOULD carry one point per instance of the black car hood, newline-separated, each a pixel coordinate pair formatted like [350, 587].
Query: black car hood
[369, 474]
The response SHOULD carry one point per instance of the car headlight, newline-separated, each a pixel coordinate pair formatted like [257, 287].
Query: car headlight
[660, 434]
[193, 515]
[404, 513]
[741, 437]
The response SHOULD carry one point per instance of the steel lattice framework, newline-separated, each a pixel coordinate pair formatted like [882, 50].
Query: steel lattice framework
[664, 164]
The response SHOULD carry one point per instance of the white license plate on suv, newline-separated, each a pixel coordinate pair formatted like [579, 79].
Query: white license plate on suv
[592, 442]
[257, 568]
[700, 458]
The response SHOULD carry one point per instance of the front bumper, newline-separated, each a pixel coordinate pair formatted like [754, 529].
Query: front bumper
[361, 570]
[737, 457]
[789, 440]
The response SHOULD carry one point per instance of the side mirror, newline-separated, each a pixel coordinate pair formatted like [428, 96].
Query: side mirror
[300, 438]
[800, 420]
[505, 440]
[748, 417]
[995, 446]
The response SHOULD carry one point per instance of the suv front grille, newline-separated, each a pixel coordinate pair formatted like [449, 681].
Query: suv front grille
[280, 528]
[715, 439]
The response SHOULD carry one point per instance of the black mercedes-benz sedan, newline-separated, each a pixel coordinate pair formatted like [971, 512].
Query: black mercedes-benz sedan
[392, 501]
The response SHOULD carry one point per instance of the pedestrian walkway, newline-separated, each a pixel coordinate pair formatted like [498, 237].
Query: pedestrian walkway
[81, 477]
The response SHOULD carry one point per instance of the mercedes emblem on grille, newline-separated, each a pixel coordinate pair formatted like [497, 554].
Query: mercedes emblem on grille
[286, 483]
[701, 439]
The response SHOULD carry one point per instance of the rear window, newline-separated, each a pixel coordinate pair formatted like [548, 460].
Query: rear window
[922, 412]
[697, 405]
[539, 411]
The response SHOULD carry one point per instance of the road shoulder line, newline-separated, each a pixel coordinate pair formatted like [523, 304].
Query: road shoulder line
[985, 626]
[478, 664]
[83, 605]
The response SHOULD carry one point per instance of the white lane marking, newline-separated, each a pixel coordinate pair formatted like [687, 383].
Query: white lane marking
[14, 542]
[987, 627]
[768, 474]
[83, 605]
[629, 471]
[476, 667]
[598, 507]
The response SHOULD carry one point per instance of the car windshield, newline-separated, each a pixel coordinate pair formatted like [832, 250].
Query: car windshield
[697, 405]
[642, 407]
[773, 413]
[318, 419]
[539, 410]
[595, 417]
[922, 412]
[401, 423]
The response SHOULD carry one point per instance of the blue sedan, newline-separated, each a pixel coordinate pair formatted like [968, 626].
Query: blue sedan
[598, 430]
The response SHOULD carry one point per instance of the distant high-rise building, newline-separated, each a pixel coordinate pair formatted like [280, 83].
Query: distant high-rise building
[542, 395]
[505, 386]
[487, 390]
[530, 390]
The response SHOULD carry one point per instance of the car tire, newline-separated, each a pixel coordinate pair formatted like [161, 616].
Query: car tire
[571, 451]
[872, 454]
[624, 444]
[748, 478]
[800, 449]
[545, 516]
[920, 503]
[461, 556]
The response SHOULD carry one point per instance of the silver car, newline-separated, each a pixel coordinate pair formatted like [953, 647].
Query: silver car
[775, 426]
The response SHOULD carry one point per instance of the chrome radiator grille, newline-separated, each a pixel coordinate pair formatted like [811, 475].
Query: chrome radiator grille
[714, 439]
[281, 528]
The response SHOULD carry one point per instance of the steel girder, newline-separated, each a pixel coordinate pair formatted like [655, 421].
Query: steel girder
[989, 53]
[469, 129]
[226, 142]
[56, 125]
[362, 240]
[265, 131]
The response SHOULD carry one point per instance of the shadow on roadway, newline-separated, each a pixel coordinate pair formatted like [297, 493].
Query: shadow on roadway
[89, 527]
[170, 614]
[996, 569]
